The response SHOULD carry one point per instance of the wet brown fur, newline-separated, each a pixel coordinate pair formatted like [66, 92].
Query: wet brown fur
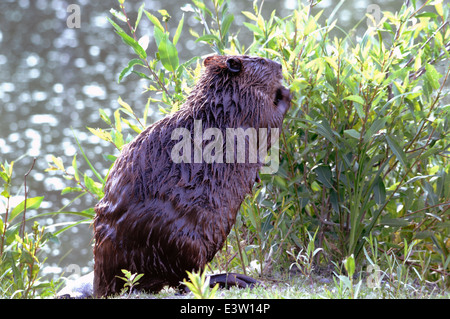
[161, 219]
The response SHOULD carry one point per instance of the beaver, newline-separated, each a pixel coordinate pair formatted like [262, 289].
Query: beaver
[162, 217]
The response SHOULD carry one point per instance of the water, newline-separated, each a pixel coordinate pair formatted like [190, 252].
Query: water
[54, 79]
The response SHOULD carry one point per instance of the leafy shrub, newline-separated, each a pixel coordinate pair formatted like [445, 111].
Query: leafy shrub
[20, 262]
[365, 145]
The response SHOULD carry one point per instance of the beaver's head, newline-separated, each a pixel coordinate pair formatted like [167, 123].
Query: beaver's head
[253, 84]
[254, 73]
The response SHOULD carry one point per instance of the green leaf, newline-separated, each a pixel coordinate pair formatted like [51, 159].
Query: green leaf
[71, 190]
[331, 62]
[125, 105]
[71, 224]
[353, 133]
[168, 54]
[430, 152]
[349, 264]
[154, 20]
[178, 32]
[92, 186]
[4, 176]
[117, 139]
[138, 19]
[360, 102]
[158, 34]
[127, 71]
[132, 126]
[254, 28]
[207, 38]
[310, 26]
[226, 23]
[324, 175]
[119, 15]
[359, 110]
[324, 129]
[32, 203]
[397, 150]
[394, 222]
[100, 134]
[142, 75]
[87, 159]
[334, 199]
[276, 53]
[104, 116]
[250, 15]
[416, 178]
[129, 40]
[75, 168]
[376, 126]
[58, 162]
[184, 66]
[146, 109]
[110, 158]
[432, 76]
[379, 191]
[355, 98]
[199, 4]
[427, 15]
[164, 13]
[117, 120]
[137, 277]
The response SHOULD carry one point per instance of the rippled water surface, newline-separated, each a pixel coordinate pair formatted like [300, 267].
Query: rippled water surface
[54, 79]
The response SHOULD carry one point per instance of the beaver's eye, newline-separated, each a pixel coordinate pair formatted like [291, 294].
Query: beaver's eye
[263, 62]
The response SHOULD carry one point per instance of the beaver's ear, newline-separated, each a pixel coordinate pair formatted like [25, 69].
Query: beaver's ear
[234, 65]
